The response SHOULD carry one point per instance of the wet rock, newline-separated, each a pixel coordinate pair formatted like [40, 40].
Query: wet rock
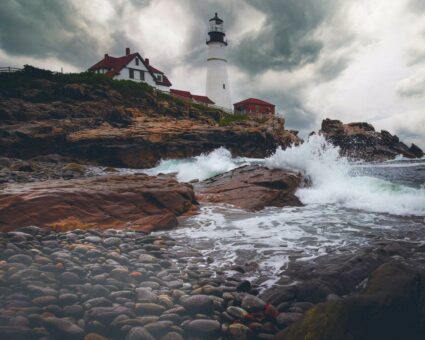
[239, 331]
[198, 304]
[83, 203]
[172, 336]
[252, 188]
[236, 312]
[63, 328]
[252, 303]
[20, 258]
[139, 333]
[204, 328]
[149, 309]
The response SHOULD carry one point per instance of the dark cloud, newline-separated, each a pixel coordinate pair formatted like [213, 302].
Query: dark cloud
[45, 28]
[333, 68]
[287, 40]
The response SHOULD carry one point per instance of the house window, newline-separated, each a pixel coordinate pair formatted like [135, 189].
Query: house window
[142, 75]
[137, 62]
[159, 77]
[224, 86]
[131, 73]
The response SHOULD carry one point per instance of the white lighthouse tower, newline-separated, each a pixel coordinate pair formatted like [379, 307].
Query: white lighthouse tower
[217, 79]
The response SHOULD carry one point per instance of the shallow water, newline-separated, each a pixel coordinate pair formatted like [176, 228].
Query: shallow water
[347, 206]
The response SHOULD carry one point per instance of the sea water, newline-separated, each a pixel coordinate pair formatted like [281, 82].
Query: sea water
[347, 206]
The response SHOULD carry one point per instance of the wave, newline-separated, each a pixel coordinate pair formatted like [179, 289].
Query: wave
[201, 167]
[335, 181]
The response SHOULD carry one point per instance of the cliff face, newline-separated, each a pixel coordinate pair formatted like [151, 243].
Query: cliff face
[120, 124]
[361, 141]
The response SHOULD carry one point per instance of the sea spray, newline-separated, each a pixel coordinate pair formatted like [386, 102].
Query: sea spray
[200, 167]
[336, 181]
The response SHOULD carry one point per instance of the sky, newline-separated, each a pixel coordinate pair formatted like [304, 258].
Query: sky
[360, 60]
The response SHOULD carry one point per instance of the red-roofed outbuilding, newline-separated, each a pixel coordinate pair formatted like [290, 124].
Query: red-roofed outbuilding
[186, 95]
[254, 106]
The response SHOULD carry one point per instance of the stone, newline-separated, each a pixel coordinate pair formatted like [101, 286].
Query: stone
[198, 304]
[149, 309]
[63, 328]
[252, 188]
[203, 328]
[146, 295]
[94, 336]
[239, 331]
[69, 278]
[285, 319]
[20, 258]
[236, 312]
[172, 336]
[252, 303]
[112, 241]
[139, 333]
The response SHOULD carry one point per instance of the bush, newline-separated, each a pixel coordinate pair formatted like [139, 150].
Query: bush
[229, 119]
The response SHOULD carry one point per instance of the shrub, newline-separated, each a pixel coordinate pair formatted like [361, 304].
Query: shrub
[229, 119]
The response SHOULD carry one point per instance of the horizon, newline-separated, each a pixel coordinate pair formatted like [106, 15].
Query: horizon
[333, 59]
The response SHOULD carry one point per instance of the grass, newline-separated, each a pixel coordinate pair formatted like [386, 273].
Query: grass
[26, 77]
[229, 119]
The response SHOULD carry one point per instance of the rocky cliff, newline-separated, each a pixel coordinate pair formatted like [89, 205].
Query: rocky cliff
[362, 141]
[119, 123]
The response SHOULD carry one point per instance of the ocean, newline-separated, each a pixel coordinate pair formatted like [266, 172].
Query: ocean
[348, 205]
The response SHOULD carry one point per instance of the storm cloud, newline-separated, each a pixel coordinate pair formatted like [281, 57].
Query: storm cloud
[349, 60]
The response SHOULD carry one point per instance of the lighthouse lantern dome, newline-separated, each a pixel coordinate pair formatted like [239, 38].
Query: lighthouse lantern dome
[216, 31]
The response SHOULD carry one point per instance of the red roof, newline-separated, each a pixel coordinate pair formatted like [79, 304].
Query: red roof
[165, 81]
[254, 101]
[115, 65]
[202, 99]
[179, 93]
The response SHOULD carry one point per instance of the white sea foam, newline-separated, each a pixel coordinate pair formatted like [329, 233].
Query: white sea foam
[333, 181]
[200, 167]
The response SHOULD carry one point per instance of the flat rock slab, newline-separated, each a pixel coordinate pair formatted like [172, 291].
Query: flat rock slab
[139, 202]
[252, 188]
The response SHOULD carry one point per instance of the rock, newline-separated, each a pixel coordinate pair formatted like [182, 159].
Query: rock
[63, 328]
[244, 286]
[198, 304]
[70, 278]
[139, 333]
[94, 336]
[121, 274]
[204, 328]
[101, 124]
[361, 141]
[15, 333]
[252, 303]
[236, 312]
[172, 336]
[146, 295]
[239, 331]
[373, 314]
[252, 188]
[149, 309]
[112, 241]
[285, 319]
[82, 203]
[20, 258]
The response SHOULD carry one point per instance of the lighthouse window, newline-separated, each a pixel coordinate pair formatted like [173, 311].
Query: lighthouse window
[224, 86]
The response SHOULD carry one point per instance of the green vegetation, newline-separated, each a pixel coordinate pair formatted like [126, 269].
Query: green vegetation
[228, 119]
[26, 77]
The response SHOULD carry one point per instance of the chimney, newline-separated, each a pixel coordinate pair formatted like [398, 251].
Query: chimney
[127, 51]
[106, 55]
[147, 61]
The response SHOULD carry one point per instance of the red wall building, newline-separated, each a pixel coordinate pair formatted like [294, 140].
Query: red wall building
[254, 106]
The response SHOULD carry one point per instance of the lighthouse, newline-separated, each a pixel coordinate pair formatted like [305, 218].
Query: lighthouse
[217, 78]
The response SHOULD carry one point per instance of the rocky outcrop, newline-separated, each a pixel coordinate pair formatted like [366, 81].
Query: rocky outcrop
[138, 202]
[121, 124]
[391, 307]
[361, 141]
[252, 188]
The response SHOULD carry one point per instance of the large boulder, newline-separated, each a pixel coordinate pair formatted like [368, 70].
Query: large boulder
[252, 188]
[140, 202]
[361, 141]
[391, 307]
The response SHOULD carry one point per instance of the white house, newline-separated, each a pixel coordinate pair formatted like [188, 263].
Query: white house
[132, 67]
